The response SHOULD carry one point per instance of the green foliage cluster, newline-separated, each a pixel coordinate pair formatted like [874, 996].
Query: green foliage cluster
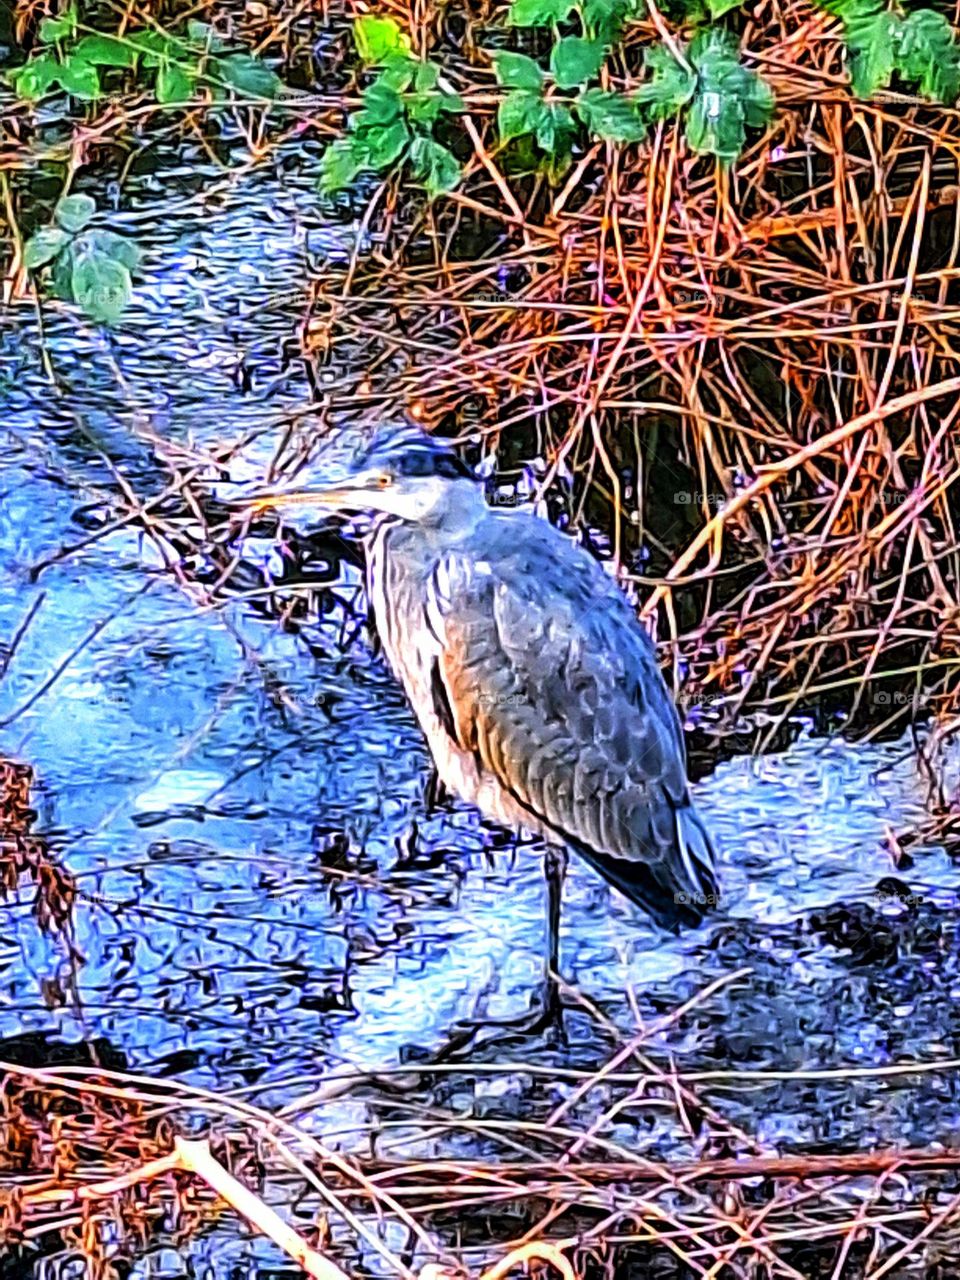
[920, 47]
[75, 62]
[87, 265]
[400, 110]
[706, 85]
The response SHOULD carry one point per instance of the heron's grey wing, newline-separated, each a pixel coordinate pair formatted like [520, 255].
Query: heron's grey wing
[546, 676]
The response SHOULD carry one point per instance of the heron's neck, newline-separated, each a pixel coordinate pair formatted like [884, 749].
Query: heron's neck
[459, 512]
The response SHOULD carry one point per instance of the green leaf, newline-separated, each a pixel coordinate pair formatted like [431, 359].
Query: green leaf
[155, 46]
[555, 128]
[427, 102]
[339, 165]
[74, 212]
[519, 113]
[101, 285]
[538, 13]
[575, 61]
[517, 71]
[670, 87]
[425, 76]
[105, 51]
[434, 165]
[59, 28]
[112, 246]
[377, 38]
[381, 105]
[79, 78]
[43, 246]
[399, 71]
[174, 84]
[248, 75]
[35, 77]
[612, 116]
[871, 38]
[728, 98]
[203, 34]
[603, 19]
[719, 7]
[381, 147]
[927, 53]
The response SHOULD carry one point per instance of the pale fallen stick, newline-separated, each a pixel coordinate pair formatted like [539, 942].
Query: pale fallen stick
[196, 1157]
[526, 1253]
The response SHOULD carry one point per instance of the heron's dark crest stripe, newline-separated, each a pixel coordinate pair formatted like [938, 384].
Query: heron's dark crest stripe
[408, 451]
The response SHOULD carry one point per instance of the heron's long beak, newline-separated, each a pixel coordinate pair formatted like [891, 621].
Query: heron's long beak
[319, 496]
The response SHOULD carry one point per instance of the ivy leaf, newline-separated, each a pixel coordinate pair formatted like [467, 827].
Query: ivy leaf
[381, 105]
[339, 165]
[538, 13]
[59, 28]
[718, 8]
[670, 87]
[202, 33]
[35, 77]
[927, 53]
[427, 101]
[871, 39]
[603, 19]
[101, 285]
[174, 84]
[555, 129]
[517, 71]
[519, 113]
[377, 38]
[74, 212]
[105, 51]
[383, 146]
[612, 116]
[113, 246]
[398, 72]
[249, 75]
[43, 246]
[574, 61]
[729, 96]
[155, 46]
[79, 78]
[434, 165]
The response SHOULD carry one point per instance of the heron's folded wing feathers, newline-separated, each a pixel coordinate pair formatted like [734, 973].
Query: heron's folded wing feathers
[552, 684]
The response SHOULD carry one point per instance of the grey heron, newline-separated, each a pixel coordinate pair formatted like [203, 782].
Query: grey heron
[534, 683]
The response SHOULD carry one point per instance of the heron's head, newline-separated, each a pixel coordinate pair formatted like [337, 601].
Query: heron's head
[400, 471]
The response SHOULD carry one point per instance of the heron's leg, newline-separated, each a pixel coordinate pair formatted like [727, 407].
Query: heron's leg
[555, 868]
[546, 1011]
[434, 792]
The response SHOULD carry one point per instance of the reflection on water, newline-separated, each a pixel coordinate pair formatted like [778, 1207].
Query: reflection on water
[264, 893]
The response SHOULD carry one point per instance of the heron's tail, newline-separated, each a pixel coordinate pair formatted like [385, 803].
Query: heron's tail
[673, 879]
[697, 887]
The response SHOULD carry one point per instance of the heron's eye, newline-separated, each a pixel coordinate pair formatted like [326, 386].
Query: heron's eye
[384, 481]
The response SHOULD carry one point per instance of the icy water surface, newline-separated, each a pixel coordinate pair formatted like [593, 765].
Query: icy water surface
[221, 944]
